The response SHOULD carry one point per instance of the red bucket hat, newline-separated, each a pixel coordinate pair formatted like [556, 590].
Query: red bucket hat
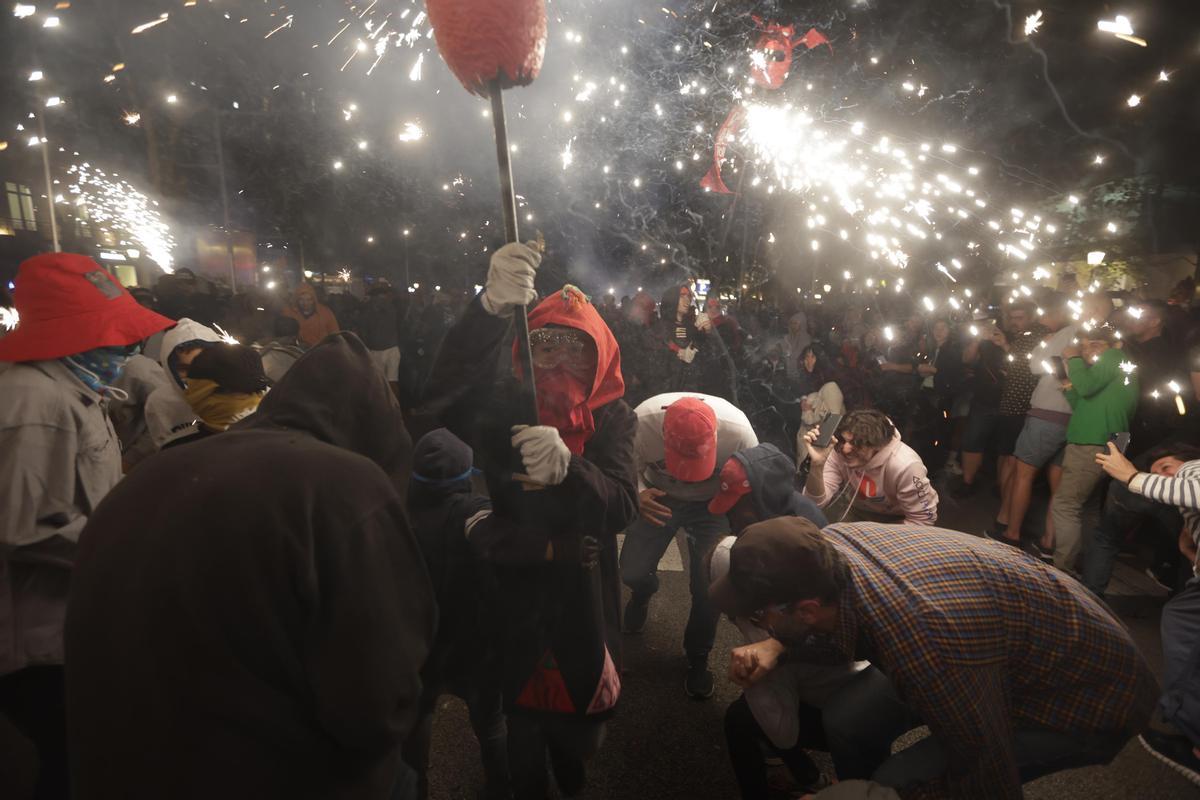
[68, 304]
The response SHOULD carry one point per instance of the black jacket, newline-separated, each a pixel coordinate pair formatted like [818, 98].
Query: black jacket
[249, 614]
[560, 607]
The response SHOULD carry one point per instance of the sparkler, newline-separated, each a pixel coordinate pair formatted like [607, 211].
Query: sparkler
[9, 318]
[1033, 22]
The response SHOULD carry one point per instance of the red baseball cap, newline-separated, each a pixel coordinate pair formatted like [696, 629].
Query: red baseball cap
[734, 485]
[68, 304]
[690, 439]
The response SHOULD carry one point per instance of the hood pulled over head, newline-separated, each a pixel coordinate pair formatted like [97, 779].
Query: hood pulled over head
[335, 393]
[570, 308]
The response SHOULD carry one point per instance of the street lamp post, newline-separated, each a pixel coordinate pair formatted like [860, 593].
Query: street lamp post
[46, 174]
[406, 283]
[225, 202]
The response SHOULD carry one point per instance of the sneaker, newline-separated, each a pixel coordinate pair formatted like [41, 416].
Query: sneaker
[699, 683]
[1174, 751]
[636, 611]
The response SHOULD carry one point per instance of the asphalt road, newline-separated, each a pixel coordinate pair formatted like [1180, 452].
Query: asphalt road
[662, 744]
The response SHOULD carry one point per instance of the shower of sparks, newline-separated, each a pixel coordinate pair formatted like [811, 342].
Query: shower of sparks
[145, 26]
[225, 335]
[1134, 101]
[412, 132]
[345, 275]
[118, 208]
[9, 318]
[414, 74]
[132, 118]
[1033, 22]
[898, 202]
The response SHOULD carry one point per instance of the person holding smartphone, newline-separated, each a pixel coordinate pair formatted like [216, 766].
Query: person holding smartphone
[886, 479]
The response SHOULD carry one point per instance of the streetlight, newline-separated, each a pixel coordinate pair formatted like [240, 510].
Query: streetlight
[406, 233]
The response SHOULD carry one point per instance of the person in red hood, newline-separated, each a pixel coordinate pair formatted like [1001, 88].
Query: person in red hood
[561, 490]
[315, 318]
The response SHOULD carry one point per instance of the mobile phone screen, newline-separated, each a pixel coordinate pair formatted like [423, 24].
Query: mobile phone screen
[1121, 440]
[827, 429]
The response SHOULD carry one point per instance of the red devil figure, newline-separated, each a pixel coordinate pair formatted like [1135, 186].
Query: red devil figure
[770, 64]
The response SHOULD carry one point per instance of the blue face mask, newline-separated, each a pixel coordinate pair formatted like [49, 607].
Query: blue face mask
[101, 367]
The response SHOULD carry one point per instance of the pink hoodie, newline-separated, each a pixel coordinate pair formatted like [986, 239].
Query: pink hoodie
[894, 482]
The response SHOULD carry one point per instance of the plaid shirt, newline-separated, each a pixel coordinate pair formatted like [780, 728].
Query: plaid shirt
[981, 639]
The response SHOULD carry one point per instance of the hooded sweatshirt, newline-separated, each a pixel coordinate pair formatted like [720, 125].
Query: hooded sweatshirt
[561, 629]
[315, 326]
[168, 415]
[772, 478]
[258, 629]
[894, 483]
[440, 502]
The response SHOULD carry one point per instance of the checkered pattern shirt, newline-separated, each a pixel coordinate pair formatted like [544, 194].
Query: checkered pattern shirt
[981, 639]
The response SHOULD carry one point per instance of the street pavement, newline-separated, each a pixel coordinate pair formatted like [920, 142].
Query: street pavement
[661, 744]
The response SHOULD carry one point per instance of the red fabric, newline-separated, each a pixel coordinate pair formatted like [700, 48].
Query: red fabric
[562, 404]
[69, 304]
[734, 484]
[546, 690]
[484, 39]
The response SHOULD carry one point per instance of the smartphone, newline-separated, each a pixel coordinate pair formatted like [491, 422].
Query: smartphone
[1060, 369]
[827, 428]
[881, 360]
[1121, 440]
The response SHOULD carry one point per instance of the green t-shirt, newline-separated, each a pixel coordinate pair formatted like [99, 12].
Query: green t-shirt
[1103, 397]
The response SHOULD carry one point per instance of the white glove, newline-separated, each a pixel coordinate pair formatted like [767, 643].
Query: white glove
[703, 323]
[543, 452]
[687, 354]
[510, 279]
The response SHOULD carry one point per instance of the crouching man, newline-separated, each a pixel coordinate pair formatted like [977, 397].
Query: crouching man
[1017, 670]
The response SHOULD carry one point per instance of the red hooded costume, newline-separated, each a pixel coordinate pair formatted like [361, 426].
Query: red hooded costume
[563, 401]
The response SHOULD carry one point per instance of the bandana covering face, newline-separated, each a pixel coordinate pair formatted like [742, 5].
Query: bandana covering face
[216, 409]
[578, 381]
[100, 368]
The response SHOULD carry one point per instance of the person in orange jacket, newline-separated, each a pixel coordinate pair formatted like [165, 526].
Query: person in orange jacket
[316, 320]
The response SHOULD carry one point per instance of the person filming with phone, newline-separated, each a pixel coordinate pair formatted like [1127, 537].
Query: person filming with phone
[871, 471]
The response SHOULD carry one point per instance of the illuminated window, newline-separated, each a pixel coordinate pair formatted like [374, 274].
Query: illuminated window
[21, 211]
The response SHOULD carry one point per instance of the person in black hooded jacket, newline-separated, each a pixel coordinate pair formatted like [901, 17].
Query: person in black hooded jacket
[551, 534]
[249, 614]
[759, 483]
[463, 660]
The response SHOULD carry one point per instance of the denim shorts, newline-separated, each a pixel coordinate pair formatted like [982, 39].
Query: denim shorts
[1041, 442]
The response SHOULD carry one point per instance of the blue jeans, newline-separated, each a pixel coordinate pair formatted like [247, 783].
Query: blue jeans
[1122, 510]
[1180, 702]
[644, 548]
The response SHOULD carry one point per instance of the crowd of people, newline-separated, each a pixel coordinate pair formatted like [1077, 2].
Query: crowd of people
[246, 545]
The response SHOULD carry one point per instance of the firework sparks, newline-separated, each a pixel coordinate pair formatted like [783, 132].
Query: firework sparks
[412, 132]
[118, 208]
[9, 318]
[1033, 22]
[145, 26]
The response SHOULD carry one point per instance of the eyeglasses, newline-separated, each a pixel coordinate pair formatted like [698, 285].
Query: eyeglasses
[757, 617]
